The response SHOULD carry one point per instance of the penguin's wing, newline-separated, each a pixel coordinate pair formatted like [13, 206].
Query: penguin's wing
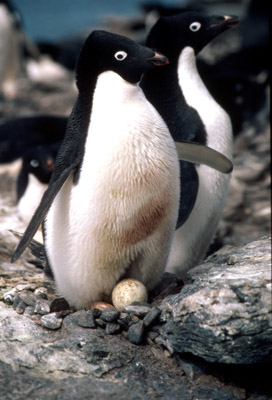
[46, 201]
[199, 154]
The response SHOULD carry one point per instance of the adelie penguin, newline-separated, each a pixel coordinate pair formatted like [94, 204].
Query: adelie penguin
[191, 114]
[111, 206]
[19, 135]
[112, 202]
[33, 178]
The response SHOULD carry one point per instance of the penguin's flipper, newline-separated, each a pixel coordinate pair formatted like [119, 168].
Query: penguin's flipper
[199, 154]
[188, 191]
[40, 213]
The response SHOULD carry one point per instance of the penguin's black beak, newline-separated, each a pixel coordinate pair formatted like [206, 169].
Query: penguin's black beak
[158, 59]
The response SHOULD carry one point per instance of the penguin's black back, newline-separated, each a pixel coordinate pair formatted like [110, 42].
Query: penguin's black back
[20, 134]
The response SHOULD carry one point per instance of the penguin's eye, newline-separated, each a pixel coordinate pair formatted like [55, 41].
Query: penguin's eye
[120, 55]
[34, 163]
[195, 26]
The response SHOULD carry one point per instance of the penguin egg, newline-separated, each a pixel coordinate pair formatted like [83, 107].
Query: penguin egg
[127, 291]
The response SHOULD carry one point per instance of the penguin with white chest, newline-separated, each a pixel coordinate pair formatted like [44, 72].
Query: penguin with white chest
[33, 178]
[112, 201]
[191, 114]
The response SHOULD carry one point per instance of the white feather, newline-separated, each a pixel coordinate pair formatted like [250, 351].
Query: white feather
[192, 239]
[95, 229]
[31, 198]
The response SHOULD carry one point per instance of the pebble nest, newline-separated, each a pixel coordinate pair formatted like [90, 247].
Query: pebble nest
[139, 322]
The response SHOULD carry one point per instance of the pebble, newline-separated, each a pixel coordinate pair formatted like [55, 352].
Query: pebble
[41, 291]
[29, 310]
[42, 307]
[152, 316]
[9, 296]
[50, 321]
[138, 309]
[28, 297]
[110, 315]
[20, 308]
[99, 322]
[85, 319]
[112, 328]
[59, 304]
[16, 301]
[136, 332]
[96, 312]
[151, 336]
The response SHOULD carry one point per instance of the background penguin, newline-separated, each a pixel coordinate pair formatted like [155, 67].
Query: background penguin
[115, 189]
[19, 135]
[10, 52]
[191, 114]
[34, 175]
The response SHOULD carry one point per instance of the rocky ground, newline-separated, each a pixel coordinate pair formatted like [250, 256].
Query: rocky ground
[210, 339]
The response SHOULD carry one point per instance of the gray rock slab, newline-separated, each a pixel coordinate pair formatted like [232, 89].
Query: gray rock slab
[224, 315]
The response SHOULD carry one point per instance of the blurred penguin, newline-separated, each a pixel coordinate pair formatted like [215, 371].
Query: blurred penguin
[10, 51]
[37, 166]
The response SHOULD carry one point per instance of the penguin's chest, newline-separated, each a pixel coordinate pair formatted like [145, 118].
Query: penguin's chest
[124, 171]
[123, 190]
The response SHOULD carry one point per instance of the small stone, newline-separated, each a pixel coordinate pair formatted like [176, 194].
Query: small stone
[99, 322]
[16, 301]
[29, 310]
[112, 328]
[133, 319]
[26, 286]
[126, 318]
[128, 291]
[136, 332]
[110, 315]
[122, 325]
[138, 309]
[21, 306]
[152, 316]
[96, 312]
[42, 307]
[27, 297]
[85, 319]
[151, 336]
[50, 321]
[41, 291]
[9, 296]
[59, 304]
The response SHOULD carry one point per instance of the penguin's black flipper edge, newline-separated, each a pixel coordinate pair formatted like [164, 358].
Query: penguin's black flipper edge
[199, 154]
[40, 213]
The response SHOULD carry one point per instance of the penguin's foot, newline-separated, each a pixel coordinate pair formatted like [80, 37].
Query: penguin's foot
[101, 305]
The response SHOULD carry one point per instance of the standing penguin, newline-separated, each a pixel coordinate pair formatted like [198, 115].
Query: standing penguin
[33, 178]
[191, 114]
[112, 201]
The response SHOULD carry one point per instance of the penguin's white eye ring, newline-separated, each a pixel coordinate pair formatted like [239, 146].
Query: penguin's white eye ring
[120, 55]
[195, 26]
[34, 163]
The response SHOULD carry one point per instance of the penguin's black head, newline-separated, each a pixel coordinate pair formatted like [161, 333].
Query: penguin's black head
[105, 51]
[40, 162]
[171, 34]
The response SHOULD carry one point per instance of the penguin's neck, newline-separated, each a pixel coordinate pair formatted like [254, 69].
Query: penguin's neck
[161, 87]
[215, 119]
[189, 79]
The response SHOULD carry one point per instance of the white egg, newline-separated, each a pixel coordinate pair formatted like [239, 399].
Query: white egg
[127, 291]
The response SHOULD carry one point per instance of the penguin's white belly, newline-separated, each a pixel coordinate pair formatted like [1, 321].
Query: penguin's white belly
[192, 239]
[120, 217]
[31, 198]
